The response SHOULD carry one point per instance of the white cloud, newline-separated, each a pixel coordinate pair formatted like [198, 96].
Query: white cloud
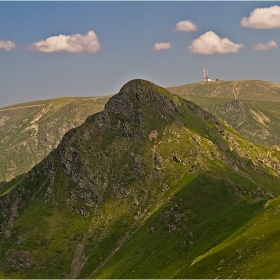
[186, 26]
[266, 46]
[161, 46]
[7, 45]
[263, 18]
[74, 43]
[210, 43]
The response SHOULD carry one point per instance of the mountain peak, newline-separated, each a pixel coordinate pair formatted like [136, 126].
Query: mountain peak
[141, 180]
[137, 83]
[144, 91]
[138, 98]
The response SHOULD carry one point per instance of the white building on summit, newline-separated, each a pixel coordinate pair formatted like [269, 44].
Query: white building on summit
[206, 78]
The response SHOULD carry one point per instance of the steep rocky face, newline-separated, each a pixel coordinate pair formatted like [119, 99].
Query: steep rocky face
[150, 162]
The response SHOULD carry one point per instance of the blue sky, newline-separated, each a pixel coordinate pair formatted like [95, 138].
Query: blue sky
[53, 49]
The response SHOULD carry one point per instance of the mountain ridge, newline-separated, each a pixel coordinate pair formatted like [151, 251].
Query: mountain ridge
[151, 168]
[21, 148]
[240, 89]
[254, 114]
[29, 131]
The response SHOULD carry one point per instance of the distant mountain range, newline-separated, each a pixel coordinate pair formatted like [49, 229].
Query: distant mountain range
[245, 90]
[29, 131]
[251, 107]
[153, 186]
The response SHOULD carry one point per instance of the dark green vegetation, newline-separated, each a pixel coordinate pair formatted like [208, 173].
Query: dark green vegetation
[251, 107]
[29, 131]
[151, 187]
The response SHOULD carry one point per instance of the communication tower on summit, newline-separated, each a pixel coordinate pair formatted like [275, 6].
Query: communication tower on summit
[206, 78]
[205, 75]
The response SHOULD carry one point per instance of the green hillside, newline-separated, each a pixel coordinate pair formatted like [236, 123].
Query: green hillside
[251, 107]
[251, 252]
[244, 90]
[29, 131]
[143, 189]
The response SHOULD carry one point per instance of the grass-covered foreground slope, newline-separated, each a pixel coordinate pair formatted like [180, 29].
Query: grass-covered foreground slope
[140, 190]
[29, 131]
[251, 107]
[251, 252]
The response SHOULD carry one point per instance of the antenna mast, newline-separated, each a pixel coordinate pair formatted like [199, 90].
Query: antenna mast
[204, 74]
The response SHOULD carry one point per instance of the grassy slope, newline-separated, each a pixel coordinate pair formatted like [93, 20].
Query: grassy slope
[245, 90]
[258, 122]
[143, 221]
[204, 212]
[29, 131]
[251, 252]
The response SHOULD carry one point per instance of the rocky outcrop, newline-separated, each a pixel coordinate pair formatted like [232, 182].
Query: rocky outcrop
[148, 94]
[158, 161]
[19, 259]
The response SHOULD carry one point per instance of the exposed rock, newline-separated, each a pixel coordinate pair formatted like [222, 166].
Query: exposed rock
[7, 233]
[19, 258]
[103, 120]
[137, 167]
[19, 240]
[176, 158]
[146, 94]
[153, 134]
[127, 130]
[120, 104]
[165, 187]
[78, 261]
[158, 161]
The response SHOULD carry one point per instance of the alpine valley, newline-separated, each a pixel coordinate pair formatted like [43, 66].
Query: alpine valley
[153, 186]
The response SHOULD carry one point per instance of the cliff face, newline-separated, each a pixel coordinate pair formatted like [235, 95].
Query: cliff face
[152, 169]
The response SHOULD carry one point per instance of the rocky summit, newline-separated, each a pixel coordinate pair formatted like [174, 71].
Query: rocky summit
[153, 186]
